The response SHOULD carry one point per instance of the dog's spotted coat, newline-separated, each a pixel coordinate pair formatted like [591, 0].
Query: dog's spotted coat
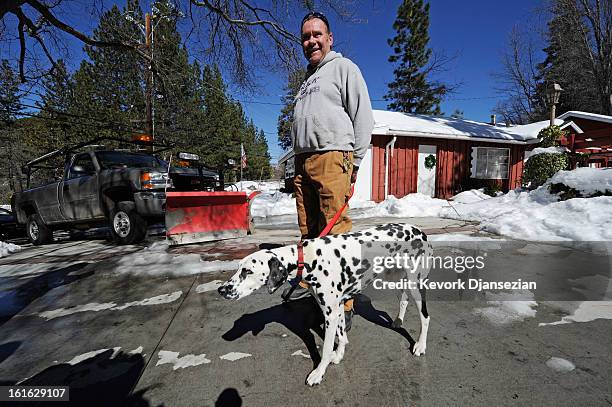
[336, 272]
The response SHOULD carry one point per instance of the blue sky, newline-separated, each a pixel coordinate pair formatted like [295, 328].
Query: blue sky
[475, 31]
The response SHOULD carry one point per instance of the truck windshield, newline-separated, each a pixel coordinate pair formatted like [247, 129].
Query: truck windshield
[115, 159]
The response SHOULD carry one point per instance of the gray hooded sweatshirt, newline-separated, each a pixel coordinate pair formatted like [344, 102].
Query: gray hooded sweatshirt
[333, 110]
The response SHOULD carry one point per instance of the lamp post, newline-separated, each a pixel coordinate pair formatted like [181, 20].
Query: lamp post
[553, 93]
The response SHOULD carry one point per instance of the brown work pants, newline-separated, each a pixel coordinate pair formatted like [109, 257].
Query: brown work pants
[322, 186]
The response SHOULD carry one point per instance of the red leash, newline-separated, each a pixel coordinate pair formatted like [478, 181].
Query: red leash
[325, 232]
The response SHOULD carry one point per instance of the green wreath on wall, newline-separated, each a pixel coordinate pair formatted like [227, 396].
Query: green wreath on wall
[430, 161]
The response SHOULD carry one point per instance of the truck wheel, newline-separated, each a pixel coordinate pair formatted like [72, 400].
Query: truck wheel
[127, 226]
[38, 233]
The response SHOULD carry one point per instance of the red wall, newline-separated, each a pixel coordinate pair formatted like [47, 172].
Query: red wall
[453, 166]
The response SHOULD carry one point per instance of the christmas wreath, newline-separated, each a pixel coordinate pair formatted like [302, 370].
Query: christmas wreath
[430, 161]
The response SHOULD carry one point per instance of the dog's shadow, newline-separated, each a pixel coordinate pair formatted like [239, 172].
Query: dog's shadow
[364, 308]
[301, 317]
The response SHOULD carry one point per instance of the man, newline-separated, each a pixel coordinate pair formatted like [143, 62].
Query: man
[332, 127]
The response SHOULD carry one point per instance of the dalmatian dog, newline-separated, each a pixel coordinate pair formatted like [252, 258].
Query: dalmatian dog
[336, 271]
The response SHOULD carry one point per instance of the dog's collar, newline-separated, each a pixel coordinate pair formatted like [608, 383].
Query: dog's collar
[300, 259]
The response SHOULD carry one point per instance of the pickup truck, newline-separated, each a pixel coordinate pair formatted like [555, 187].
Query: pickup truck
[124, 190]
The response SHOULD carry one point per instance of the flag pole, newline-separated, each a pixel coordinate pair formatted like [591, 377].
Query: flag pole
[241, 158]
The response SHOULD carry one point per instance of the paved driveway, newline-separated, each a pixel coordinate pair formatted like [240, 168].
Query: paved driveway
[134, 325]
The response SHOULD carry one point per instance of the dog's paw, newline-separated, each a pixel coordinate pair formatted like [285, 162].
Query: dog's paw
[419, 349]
[314, 378]
[337, 357]
[397, 323]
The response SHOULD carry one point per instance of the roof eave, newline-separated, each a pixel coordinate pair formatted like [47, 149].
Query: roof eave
[393, 132]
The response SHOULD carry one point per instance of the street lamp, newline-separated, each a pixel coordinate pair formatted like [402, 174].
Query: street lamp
[553, 93]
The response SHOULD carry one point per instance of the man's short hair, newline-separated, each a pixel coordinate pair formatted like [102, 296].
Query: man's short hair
[315, 14]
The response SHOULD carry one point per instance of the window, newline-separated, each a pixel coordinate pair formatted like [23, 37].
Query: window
[490, 162]
[85, 165]
[120, 159]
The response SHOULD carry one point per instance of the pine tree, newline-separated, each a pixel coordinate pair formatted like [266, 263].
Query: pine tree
[177, 98]
[109, 90]
[12, 151]
[569, 62]
[219, 115]
[411, 92]
[55, 103]
[285, 119]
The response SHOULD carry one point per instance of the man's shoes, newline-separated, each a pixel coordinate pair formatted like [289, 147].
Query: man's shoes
[298, 292]
[348, 320]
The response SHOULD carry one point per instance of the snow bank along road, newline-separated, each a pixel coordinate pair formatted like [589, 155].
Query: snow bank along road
[145, 324]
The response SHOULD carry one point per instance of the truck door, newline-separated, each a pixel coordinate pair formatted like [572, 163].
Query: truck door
[80, 190]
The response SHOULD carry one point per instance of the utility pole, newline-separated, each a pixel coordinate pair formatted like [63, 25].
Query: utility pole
[149, 79]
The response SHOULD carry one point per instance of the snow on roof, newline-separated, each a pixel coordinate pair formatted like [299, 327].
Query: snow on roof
[586, 115]
[396, 123]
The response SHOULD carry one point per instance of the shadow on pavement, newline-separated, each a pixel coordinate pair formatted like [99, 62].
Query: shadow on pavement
[15, 300]
[7, 349]
[102, 380]
[229, 398]
[364, 308]
[300, 317]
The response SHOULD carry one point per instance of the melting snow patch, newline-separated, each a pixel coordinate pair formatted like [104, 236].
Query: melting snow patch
[136, 351]
[80, 358]
[154, 260]
[300, 353]
[160, 299]
[94, 306]
[62, 312]
[218, 265]
[505, 308]
[587, 311]
[233, 356]
[180, 363]
[8, 248]
[560, 365]
[211, 286]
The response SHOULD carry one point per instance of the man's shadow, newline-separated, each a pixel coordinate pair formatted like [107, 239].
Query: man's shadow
[304, 316]
[102, 380]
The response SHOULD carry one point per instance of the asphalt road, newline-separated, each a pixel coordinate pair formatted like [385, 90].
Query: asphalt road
[123, 325]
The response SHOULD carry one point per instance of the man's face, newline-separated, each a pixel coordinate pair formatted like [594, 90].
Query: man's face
[316, 40]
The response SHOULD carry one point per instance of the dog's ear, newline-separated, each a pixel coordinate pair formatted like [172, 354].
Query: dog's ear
[278, 274]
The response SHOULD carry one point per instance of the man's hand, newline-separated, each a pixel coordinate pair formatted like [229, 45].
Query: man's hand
[354, 174]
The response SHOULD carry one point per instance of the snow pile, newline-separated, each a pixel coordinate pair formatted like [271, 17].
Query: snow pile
[537, 215]
[250, 186]
[548, 150]
[506, 308]
[8, 248]
[471, 196]
[560, 365]
[7, 207]
[155, 260]
[272, 204]
[586, 180]
[412, 205]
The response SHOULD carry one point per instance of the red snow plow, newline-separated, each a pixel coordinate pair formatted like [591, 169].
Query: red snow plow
[208, 214]
[199, 216]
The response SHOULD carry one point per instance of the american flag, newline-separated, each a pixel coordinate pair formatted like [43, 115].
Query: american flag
[243, 158]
